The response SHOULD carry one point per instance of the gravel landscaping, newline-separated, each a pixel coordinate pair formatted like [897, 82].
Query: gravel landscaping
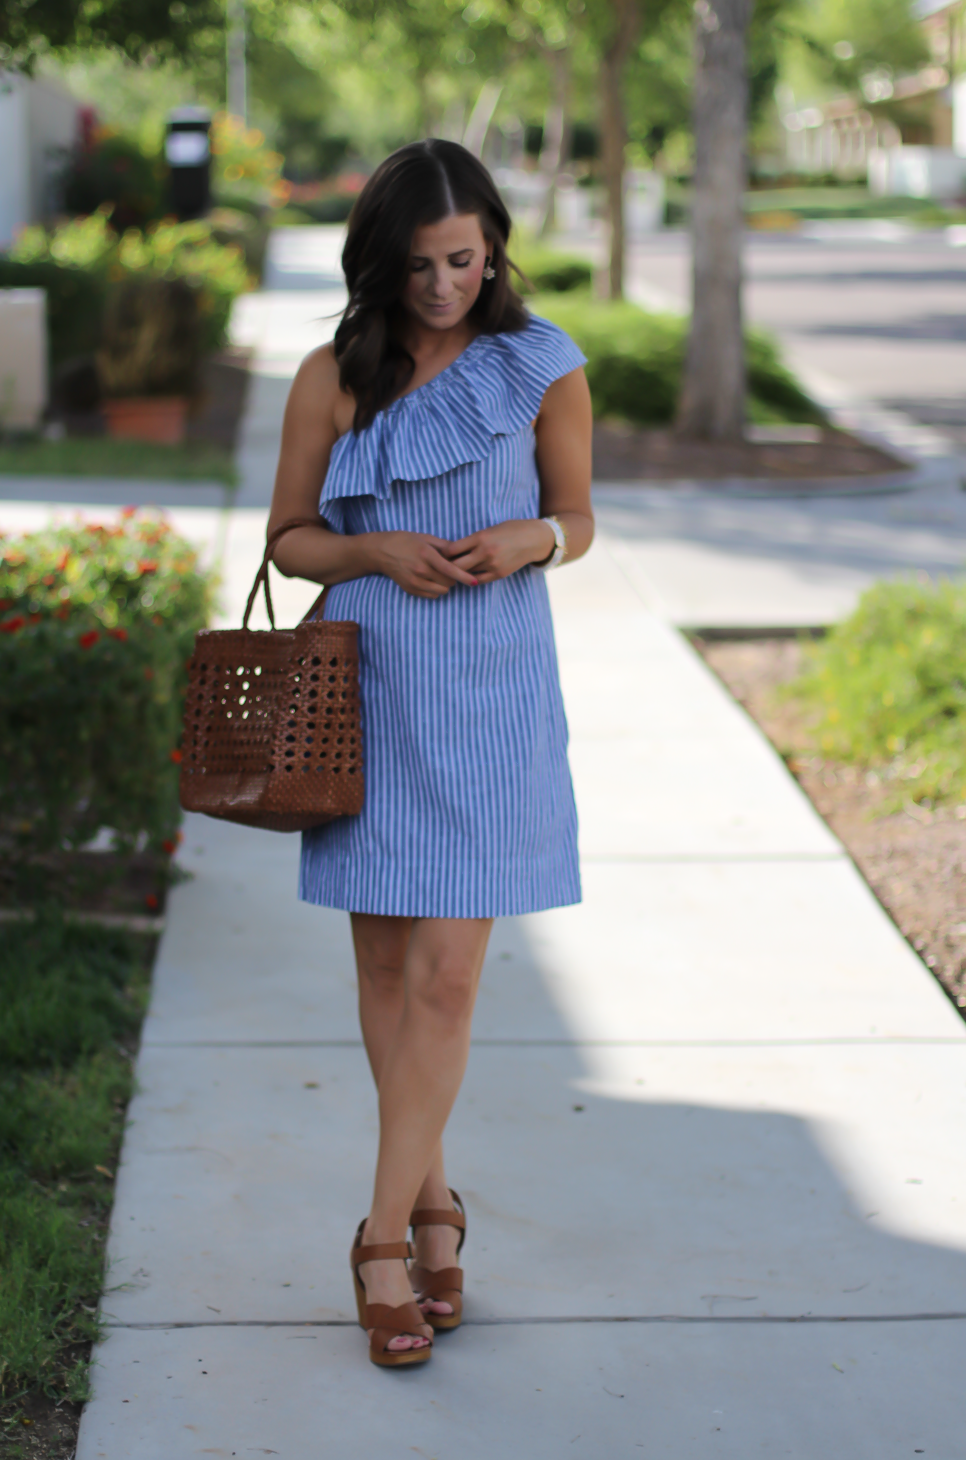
[914, 859]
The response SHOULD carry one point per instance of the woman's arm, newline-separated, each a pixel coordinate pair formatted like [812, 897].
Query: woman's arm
[563, 430]
[317, 414]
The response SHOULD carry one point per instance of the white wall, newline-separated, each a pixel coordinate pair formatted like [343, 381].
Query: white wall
[38, 127]
[15, 169]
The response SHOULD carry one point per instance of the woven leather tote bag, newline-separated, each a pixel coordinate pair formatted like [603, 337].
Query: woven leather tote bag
[272, 733]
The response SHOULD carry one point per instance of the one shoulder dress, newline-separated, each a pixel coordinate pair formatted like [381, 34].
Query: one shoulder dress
[469, 809]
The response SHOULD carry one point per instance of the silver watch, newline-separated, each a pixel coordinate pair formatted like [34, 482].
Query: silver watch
[560, 549]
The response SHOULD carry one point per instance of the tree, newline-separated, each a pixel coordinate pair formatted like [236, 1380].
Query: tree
[28, 28]
[623, 32]
[712, 404]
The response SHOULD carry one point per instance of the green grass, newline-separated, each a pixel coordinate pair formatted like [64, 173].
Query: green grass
[636, 359]
[100, 456]
[848, 202]
[887, 689]
[71, 1002]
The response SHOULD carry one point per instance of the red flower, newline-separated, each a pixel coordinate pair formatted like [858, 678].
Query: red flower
[176, 756]
[120, 634]
[97, 527]
[149, 674]
[86, 640]
[128, 511]
[147, 565]
[35, 618]
[63, 612]
[63, 560]
[151, 901]
[5, 603]
[168, 846]
[13, 624]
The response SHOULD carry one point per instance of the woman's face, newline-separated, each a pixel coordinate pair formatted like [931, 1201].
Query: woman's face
[446, 264]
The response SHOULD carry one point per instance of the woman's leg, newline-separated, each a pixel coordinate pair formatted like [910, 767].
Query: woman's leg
[416, 1024]
[380, 949]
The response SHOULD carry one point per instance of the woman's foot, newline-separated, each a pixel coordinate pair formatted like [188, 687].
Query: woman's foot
[437, 1251]
[387, 1281]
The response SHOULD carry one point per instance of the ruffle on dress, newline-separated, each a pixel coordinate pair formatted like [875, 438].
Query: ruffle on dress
[494, 388]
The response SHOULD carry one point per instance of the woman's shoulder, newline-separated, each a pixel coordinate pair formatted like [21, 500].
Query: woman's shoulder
[317, 389]
[542, 346]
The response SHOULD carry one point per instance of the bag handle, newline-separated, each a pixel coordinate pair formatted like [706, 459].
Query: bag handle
[261, 577]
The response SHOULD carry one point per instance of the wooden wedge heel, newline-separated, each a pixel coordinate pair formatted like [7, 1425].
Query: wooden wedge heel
[445, 1284]
[387, 1323]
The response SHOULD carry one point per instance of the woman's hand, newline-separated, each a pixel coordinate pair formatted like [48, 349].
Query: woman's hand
[420, 564]
[496, 552]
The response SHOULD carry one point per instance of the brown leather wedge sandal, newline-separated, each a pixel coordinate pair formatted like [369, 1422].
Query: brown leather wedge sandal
[445, 1285]
[387, 1323]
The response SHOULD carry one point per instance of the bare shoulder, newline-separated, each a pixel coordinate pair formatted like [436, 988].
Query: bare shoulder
[317, 380]
[567, 393]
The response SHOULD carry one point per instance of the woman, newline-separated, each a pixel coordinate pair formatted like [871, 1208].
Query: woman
[450, 431]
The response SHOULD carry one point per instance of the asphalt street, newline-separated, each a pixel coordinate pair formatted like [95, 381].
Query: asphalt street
[880, 312]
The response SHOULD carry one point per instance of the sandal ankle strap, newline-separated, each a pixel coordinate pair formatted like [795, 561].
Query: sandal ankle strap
[441, 1217]
[380, 1251]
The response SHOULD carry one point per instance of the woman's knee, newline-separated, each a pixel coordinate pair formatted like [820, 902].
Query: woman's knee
[444, 987]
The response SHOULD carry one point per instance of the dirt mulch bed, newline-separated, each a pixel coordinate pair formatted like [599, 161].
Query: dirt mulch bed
[630, 453]
[914, 860]
[90, 882]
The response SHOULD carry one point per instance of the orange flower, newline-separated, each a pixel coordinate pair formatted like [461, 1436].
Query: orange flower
[48, 580]
[176, 756]
[128, 512]
[13, 625]
[63, 560]
[147, 565]
[120, 634]
[86, 640]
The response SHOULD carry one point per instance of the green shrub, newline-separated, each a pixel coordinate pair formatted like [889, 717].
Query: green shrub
[96, 626]
[167, 250]
[75, 303]
[114, 171]
[549, 271]
[635, 361]
[887, 687]
[68, 994]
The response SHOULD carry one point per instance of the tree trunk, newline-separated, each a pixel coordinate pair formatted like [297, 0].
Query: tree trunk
[712, 404]
[556, 132]
[613, 129]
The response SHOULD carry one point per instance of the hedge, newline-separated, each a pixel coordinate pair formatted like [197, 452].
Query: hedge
[79, 262]
[97, 623]
[635, 361]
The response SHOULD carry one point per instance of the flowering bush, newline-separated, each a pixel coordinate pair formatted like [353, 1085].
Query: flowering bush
[97, 623]
[243, 165]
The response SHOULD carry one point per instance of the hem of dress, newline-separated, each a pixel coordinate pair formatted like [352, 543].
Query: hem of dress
[378, 908]
[527, 894]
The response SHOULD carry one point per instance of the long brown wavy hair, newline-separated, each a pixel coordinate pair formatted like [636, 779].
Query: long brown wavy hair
[421, 183]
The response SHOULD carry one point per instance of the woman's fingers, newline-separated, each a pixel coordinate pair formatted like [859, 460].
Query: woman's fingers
[451, 570]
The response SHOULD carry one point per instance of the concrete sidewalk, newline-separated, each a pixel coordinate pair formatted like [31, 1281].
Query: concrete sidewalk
[711, 1141]
[712, 1136]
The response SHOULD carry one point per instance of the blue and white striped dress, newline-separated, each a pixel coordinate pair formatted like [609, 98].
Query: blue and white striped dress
[469, 809]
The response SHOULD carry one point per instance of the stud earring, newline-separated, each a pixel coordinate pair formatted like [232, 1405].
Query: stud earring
[489, 272]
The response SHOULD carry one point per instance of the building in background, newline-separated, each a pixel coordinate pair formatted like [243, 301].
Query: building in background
[905, 133]
[39, 122]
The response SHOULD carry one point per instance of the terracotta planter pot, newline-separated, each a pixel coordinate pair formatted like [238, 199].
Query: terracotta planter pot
[159, 418]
